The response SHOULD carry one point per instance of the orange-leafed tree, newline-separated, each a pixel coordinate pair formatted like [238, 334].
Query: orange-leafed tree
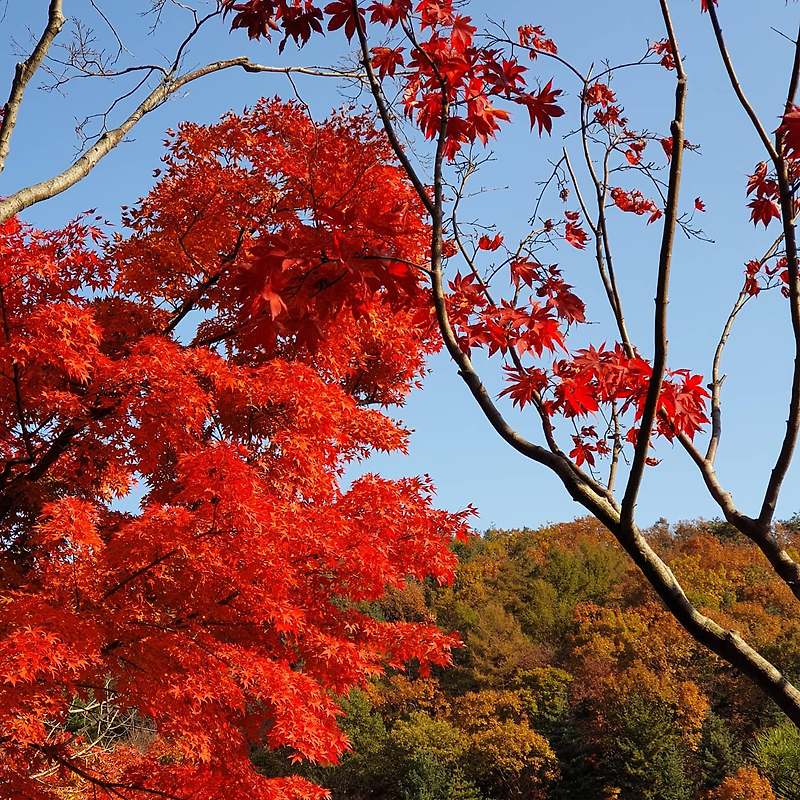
[746, 784]
[229, 354]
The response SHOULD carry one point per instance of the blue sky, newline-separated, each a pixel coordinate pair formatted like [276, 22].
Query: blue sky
[451, 441]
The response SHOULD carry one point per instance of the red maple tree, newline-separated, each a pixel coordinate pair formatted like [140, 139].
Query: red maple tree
[229, 354]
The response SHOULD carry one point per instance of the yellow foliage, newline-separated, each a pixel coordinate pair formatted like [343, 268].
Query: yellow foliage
[477, 711]
[515, 755]
[434, 737]
[400, 696]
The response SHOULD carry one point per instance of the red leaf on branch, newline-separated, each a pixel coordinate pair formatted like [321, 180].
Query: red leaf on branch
[386, 60]
[763, 210]
[576, 235]
[599, 94]
[789, 132]
[542, 107]
[486, 243]
[342, 16]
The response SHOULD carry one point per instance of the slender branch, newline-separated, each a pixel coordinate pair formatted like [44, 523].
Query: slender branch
[139, 572]
[759, 530]
[788, 213]
[794, 80]
[110, 26]
[737, 86]
[199, 22]
[545, 186]
[603, 256]
[22, 77]
[616, 453]
[44, 190]
[385, 115]
[191, 301]
[662, 290]
[578, 192]
[716, 378]
[782, 562]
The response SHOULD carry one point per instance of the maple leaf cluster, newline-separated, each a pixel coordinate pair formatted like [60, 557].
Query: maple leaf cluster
[228, 353]
[763, 187]
[563, 383]
[763, 183]
[446, 78]
[452, 86]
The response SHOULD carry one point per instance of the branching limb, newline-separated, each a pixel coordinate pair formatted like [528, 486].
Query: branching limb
[22, 77]
[79, 169]
[786, 197]
[788, 212]
[603, 254]
[782, 562]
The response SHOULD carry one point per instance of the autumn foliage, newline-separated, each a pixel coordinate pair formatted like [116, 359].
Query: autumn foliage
[226, 354]
[447, 78]
[231, 351]
[574, 683]
[571, 680]
[450, 79]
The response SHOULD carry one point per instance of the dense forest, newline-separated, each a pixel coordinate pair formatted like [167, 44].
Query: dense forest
[574, 683]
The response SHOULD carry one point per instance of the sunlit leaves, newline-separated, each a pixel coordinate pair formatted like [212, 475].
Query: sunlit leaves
[542, 107]
[229, 352]
[763, 210]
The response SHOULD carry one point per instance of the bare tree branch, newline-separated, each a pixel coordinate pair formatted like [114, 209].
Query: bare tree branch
[788, 213]
[786, 195]
[22, 77]
[79, 169]
[662, 290]
[736, 84]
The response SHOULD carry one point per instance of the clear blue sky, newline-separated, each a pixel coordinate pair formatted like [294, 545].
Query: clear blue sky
[451, 441]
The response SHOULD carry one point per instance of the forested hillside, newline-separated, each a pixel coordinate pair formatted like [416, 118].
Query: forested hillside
[575, 684]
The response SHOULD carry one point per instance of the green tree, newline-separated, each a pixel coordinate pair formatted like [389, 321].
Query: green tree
[646, 758]
[776, 752]
[720, 753]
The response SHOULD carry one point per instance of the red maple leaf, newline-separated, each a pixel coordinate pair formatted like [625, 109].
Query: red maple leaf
[486, 243]
[763, 210]
[386, 60]
[342, 16]
[575, 235]
[542, 107]
[599, 94]
[789, 131]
